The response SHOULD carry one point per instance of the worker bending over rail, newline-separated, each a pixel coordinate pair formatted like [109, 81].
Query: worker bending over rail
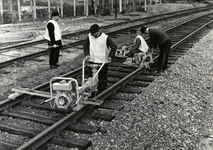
[160, 38]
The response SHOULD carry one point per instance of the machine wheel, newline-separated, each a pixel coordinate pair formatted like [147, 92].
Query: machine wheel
[63, 101]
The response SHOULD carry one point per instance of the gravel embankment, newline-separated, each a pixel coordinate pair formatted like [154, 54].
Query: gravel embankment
[174, 112]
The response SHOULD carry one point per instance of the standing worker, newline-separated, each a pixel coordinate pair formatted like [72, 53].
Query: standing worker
[53, 37]
[160, 38]
[98, 48]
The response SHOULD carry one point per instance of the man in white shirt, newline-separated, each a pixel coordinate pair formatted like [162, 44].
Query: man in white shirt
[139, 44]
[53, 37]
[99, 47]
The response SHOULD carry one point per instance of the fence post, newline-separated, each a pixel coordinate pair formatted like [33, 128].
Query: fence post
[62, 10]
[34, 9]
[1, 12]
[49, 13]
[86, 7]
[120, 6]
[19, 11]
[74, 8]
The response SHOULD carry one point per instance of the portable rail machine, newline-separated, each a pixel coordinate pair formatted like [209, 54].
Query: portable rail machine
[67, 93]
[139, 60]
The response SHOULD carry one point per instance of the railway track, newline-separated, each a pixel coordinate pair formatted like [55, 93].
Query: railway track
[29, 50]
[122, 79]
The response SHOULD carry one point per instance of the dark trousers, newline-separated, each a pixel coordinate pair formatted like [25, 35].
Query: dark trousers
[54, 53]
[163, 57]
[102, 77]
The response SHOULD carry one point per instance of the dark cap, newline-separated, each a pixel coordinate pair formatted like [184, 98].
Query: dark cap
[94, 28]
[55, 13]
[143, 29]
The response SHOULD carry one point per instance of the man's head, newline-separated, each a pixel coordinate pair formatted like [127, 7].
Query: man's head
[144, 30]
[133, 33]
[55, 15]
[95, 30]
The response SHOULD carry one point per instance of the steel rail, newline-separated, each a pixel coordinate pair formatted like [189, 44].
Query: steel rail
[162, 19]
[23, 58]
[60, 125]
[188, 36]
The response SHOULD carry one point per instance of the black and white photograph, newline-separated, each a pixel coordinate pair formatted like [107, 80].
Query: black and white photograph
[106, 74]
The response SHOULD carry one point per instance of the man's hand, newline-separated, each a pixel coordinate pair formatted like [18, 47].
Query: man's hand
[87, 57]
[55, 46]
[109, 59]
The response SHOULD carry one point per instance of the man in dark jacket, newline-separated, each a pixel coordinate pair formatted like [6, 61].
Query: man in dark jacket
[53, 36]
[98, 48]
[160, 38]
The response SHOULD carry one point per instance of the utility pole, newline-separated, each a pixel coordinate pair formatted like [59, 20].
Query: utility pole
[144, 5]
[57, 8]
[74, 8]
[11, 10]
[19, 11]
[34, 9]
[62, 10]
[1, 12]
[133, 3]
[125, 4]
[49, 13]
[95, 6]
[31, 6]
[139, 2]
[103, 3]
[120, 6]
[112, 4]
[116, 8]
[86, 8]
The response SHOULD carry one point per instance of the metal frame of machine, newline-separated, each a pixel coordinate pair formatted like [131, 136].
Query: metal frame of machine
[68, 92]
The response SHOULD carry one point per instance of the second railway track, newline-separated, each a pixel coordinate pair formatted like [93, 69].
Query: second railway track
[30, 50]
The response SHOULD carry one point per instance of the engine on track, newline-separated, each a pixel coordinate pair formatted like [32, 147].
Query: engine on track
[66, 93]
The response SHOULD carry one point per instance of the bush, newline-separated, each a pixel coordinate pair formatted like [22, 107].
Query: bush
[7, 17]
[140, 8]
[26, 16]
[68, 10]
[42, 13]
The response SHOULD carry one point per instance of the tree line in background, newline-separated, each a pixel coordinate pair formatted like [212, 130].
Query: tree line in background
[13, 11]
